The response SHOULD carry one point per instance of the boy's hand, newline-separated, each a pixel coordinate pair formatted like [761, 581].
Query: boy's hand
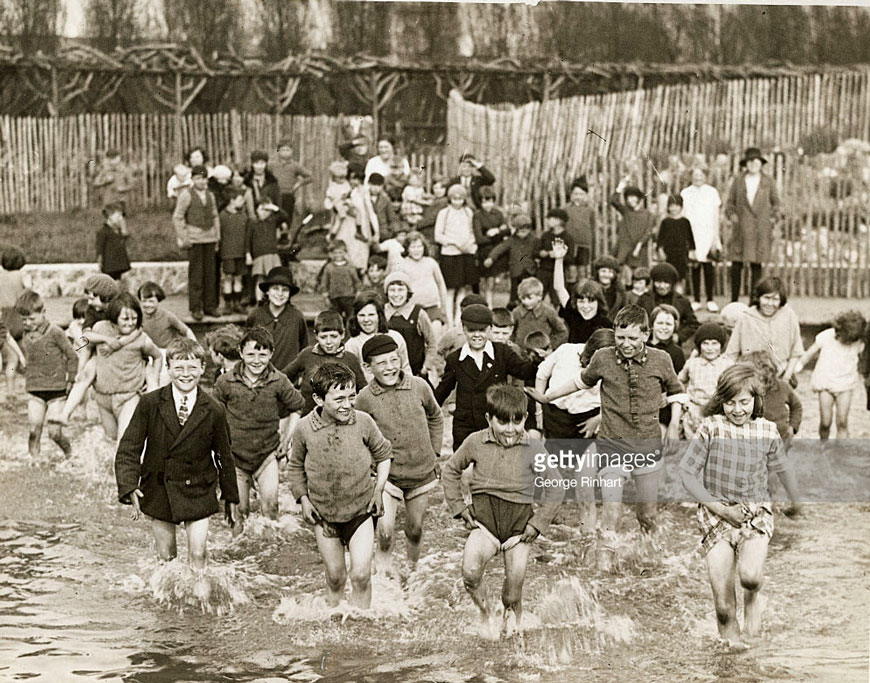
[560, 249]
[733, 514]
[672, 439]
[249, 260]
[536, 395]
[487, 263]
[468, 518]
[376, 504]
[692, 255]
[113, 344]
[530, 533]
[134, 497]
[309, 512]
[492, 232]
[229, 514]
[591, 426]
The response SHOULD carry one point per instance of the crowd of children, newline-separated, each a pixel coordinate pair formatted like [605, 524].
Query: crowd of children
[591, 346]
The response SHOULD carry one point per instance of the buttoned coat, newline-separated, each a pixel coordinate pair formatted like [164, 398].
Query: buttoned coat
[181, 466]
[751, 224]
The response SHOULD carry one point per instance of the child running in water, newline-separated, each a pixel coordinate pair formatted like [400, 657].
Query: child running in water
[333, 452]
[726, 469]
[50, 371]
[186, 442]
[836, 376]
[501, 517]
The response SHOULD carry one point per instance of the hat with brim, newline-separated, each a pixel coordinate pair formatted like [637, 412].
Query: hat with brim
[750, 154]
[279, 276]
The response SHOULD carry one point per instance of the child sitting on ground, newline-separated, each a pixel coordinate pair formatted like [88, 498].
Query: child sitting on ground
[781, 404]
[501, 517]
[223, 347]
[405, 410]
[49, 373]
[329, 348]
[333, 452]
[262, 409]
[154, 483]
[725, 469]
[836, 375]
[701, 372]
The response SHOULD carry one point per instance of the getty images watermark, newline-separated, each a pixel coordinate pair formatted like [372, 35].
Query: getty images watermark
[568, 468]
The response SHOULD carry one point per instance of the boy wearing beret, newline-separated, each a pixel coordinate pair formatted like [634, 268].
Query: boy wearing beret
[405, 410]
[476, 366]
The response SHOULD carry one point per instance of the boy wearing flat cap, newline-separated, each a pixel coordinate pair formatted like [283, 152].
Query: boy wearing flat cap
[405, 410]
[476, 366]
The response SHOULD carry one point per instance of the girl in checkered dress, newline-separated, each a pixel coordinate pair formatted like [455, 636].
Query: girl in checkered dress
[725, 469]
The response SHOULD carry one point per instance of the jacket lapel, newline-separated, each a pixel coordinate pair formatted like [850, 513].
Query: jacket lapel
[167, 411]
[196, 416]
[469, 367]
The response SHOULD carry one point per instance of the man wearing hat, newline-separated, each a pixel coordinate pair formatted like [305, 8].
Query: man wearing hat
[198, 230]
[664, 276]
[280, 317]
[752, 206]
[474, 368]
[473, 175]
[404, 409]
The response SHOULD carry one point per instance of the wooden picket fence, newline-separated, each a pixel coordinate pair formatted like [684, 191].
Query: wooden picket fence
[47, 164]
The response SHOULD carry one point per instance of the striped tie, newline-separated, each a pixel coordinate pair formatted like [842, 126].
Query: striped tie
[183, 412]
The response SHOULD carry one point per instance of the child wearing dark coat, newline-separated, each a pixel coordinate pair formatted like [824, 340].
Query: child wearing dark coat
[112, 242]
[186, 443]
[675, 240]
[635, 228]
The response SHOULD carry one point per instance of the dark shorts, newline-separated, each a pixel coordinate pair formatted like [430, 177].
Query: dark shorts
[48, 396]
[560, 424]
[459, 270]
[408, 490]
[345, 530]
[234, 266]
[502, 518]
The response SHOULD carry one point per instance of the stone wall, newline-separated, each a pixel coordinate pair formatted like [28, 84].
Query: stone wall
[67, 279]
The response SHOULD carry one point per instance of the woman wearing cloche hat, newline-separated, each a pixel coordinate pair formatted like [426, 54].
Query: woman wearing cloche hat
[752, 206]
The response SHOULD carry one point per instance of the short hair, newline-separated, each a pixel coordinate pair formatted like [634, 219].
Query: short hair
[28, 302]
[632, 315]
[225, 341]
[261, 337]
[769, 285]
[506, 403]
[337, 245]
[366, 298]
[182, 348]
[119, 303]
[536, 340]
[376, 179]
[259, 155]
[193, 149]
[675, 200]
[529, 285]
[329, 321]
[589, 289]
[13, 259]
[665, 308]
[377, 260]
[150, 288]
[765, 368]
[599, 339]
[487, 192]
[561, 214]
[329, 376]
[232, 192]
[849, 327]
[501, 317]
[731, 382]
[354, 172]
[416, 236]
[80, 308]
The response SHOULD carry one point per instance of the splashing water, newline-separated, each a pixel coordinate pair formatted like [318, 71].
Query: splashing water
[214, 590]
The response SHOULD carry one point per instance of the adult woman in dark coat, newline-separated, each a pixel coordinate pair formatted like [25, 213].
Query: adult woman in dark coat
[752, 205]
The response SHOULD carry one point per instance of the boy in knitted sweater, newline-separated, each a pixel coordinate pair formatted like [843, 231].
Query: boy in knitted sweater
[332, 455]
[404, 408]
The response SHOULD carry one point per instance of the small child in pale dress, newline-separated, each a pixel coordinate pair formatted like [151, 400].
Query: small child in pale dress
[414, 198]
[836, 376]
[701, 373]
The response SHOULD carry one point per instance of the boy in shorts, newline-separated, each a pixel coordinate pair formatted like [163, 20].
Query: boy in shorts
[405, 410]
[186, 443]
[333, 451]
[633, 378]
[262, 408]
[49, 373]
[501, 517]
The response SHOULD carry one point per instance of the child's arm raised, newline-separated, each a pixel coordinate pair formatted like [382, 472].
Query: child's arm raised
[560, 250]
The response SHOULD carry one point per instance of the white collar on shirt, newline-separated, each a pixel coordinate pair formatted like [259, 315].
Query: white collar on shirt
[177, 395]
[466, 351]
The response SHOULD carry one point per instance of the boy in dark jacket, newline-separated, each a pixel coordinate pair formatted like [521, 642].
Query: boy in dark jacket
[635, 229]
[186, 440]
[522, 249]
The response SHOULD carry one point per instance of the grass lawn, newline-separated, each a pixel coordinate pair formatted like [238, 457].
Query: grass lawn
[69, 237]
